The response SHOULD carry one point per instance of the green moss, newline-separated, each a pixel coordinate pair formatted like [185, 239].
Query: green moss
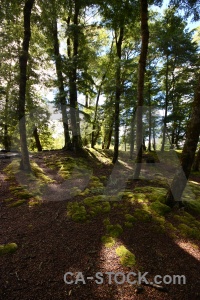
[17, 203]
[160, 208]
[23, 194]
[127, 258]
[106, 221]
[8, 200]
[130, 218]
[128, 224]
[142, 215]
[8, 248]
[108, 241]
[75, 191]
[114, 230]
[76, 211]
[189, 232]
[39, 173]
[192, 205]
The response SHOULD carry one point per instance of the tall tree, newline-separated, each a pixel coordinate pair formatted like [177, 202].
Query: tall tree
[23, 60]
[141, 78]
[192, 137]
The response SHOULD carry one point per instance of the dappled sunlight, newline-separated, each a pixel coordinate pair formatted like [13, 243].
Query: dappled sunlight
[194, 182]
[190, 248]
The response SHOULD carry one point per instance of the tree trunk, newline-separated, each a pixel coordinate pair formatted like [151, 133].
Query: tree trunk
[195, 166]
[62, 98]
[192, 137]
[23, 59]
[140, 88]
[93, 142]
[118, 92]
[150, 117]
[37, 140]
[74, 111]
[166, 106]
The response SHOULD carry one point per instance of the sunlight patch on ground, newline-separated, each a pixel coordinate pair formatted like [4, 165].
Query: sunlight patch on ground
[194, 182]
[190, 248]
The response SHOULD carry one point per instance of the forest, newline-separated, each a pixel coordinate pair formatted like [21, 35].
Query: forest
[99, 149]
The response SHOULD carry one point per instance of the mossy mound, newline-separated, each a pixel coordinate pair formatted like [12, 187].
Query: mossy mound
[108, 241]
[114, 230]
[8, 248]
[17, 203]
[189, 232]
[160, 208]
[77, 212]
[130, 218]
[127, 258]
[142, 215]
[188, 225]
[40, 174]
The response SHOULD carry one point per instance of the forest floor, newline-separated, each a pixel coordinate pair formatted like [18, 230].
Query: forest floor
[78, 213]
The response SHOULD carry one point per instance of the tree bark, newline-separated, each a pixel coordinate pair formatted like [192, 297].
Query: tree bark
[118, 93]
[74, 112]
[166, 105]
[140, 88]
[192, 137]
[62, 98]
[37, 140]
[93, 141]
[23, 60]
[195, 166]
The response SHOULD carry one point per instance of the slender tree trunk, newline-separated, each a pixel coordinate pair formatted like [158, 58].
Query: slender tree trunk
[192, 137]
[118, 93]
[166, 106]
[150, 118]
[132, 135]
[154, 137]
[74, 111]
[110, 132]
[37, 139]
[62, 97]
[23, 59]
[93, 142]
[195, 166]
[140, 88]
[6, 135]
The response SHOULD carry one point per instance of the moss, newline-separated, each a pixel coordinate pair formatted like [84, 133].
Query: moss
[75, 191]
[106, 221]
[8, 248]
[108, 241]
[160, 208]
[130, 218]
[8, 200]
[39, 173]
[128, 224]
[152, 193]
[17, 203]
[114, 230]
[189, 232]
[85, 192]
[193, 205]
[77, 212]
[127, 258]
[23, 194]
[142, 215]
